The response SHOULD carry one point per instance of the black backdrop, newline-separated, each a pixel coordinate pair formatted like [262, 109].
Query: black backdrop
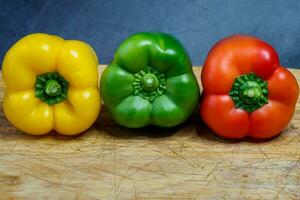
[198, 24]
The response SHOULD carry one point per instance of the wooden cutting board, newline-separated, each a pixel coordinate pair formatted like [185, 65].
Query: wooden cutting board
[111, 162]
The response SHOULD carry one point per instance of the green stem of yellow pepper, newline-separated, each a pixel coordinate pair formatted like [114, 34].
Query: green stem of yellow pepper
[51, 88]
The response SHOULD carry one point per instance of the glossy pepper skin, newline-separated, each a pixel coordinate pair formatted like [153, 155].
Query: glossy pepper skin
[150, 82]
[51, 83]
[246, 92]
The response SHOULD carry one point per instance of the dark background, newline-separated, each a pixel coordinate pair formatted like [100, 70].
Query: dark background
[198, 24]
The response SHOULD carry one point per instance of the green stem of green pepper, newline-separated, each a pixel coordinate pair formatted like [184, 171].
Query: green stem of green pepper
[249, 92]
[149, 84]
[51, 88]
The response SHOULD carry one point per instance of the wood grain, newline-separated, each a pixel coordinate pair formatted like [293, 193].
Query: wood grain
[112, 162]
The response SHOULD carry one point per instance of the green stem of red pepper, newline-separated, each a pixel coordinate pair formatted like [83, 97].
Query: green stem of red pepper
[249, 92]
[51, 88]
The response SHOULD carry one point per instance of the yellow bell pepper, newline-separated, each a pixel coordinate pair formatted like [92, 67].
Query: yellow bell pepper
[51, 83]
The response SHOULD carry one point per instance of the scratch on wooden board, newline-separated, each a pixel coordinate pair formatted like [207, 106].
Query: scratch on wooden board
[212, 171]
[116, 183]
[262, 151]
[162, 170]
[99, 150]
[207, 152]
[75, 148]
[186, 160]
[94, 142]
[286, 178]
[115, 173]
[114, 165]
[293, 126]
[13, 147]
[145, 144]
[295, 138]
[143, 168]
[61, 164]
[54, 183]
[159, 152]
[100, 153]
[209, 179]
[8, 180]
[151, 171]
[178, 157]
[179, 153]
[181, 145]
[77, 197]
[136, 192]
[226, 196]
[243, 186]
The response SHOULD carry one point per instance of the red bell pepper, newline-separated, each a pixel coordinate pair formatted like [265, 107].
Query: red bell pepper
[246, 92]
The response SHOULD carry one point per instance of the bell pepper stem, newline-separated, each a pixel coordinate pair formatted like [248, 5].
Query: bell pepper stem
[51, 88]
[149, 84]
[249, 92]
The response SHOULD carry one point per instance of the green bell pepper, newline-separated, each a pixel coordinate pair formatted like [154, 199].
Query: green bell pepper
[150, 82]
